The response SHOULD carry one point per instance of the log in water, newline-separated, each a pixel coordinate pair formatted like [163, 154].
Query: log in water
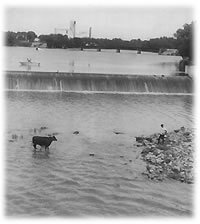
[57, 81]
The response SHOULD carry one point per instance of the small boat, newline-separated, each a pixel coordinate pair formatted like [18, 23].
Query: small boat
[29, 63]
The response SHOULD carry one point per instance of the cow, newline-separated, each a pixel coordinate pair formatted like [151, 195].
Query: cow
[43, 141]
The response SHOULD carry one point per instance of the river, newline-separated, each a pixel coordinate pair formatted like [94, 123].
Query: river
[96, 172]
[91, 61]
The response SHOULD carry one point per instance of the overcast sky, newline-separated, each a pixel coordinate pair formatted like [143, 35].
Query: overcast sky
[106, 22]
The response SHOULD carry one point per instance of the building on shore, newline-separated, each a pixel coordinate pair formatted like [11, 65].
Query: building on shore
[171, 52]
[38, 44]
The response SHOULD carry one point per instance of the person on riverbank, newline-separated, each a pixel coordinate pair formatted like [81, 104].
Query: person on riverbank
[163, 134]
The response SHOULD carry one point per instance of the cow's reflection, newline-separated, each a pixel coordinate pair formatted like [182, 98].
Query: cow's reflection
[40, 154]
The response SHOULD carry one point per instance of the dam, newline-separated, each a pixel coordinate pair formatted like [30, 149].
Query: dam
[50, 103]
[96, 82]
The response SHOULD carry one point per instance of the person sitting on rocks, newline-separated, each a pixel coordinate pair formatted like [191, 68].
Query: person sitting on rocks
[163, 134]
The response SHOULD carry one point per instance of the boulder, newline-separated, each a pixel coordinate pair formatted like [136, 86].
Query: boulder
[139, 139]
[76, 132]
[174, 159]
[149, 139]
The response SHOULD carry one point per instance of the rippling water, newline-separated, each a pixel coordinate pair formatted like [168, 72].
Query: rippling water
[70, 182]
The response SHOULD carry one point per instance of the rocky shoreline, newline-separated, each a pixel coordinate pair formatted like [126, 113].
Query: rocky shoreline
[172, 160]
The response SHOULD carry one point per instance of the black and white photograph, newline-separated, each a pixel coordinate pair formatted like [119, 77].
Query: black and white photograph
[99, 111]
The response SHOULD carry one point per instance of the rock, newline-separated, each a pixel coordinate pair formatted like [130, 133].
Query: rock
[186, 133]
[167, 160]
[118, 133]
[160, 178]
[145, 151]
[183, 129]
[76, 132]
[173, 160]
[139, 139]
[153, 160]
[144, 143]
[139, 145]
[43, 128]
[190, 181]
[187, 140]
[159, 160]
[176, 131]
[163, 147]
[149, 139]
[156, 152]
[14, 136]
[182, 174]
[176, 169]
[11, 140]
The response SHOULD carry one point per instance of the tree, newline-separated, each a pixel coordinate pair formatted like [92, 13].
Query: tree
[185, 40]
[10, 38]
[21, 36]
[31, 36]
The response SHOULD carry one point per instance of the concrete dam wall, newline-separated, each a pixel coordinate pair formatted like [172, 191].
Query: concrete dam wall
[49, 81]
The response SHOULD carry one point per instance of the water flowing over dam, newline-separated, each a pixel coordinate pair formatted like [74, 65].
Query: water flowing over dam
[80, 82]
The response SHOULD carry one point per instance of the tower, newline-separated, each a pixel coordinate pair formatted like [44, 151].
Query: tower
[90, 32]
[73, 28]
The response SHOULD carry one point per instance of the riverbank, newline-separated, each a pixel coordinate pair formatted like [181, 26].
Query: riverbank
[172, 160]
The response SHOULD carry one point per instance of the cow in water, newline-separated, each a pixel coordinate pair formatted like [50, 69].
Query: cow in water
[43, 141]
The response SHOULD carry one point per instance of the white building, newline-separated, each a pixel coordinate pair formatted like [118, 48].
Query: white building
[37, 43]
[170, 52]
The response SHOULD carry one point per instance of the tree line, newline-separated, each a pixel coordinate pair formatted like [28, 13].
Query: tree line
[182, 40]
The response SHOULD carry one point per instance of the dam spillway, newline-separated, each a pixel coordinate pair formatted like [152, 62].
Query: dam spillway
[80, 82]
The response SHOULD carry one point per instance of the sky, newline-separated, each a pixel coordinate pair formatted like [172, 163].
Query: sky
[125, 22]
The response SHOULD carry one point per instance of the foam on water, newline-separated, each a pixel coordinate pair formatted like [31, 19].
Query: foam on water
[78, 82]
[102, 92]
